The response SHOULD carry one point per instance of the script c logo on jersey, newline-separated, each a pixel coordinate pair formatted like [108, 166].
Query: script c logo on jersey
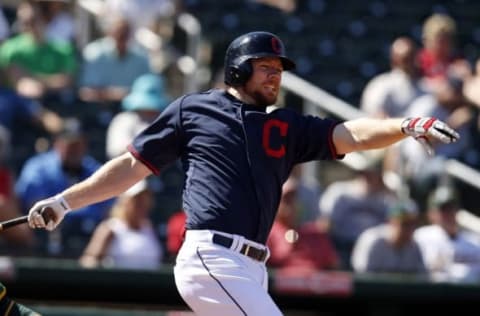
[268, 128]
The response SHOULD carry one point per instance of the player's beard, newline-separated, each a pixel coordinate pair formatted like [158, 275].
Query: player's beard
[263, 99]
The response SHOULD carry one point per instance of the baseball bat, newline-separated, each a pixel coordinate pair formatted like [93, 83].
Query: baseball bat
[13, 222]
[47, 213]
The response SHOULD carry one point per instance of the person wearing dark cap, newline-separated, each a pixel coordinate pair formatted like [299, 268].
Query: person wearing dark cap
[389, 247]
[65, 164]
[450, 252]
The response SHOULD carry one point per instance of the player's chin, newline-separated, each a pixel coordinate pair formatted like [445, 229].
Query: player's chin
[266, 99]
[273, 99]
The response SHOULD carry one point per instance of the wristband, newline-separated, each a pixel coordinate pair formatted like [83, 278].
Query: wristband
[62, 202]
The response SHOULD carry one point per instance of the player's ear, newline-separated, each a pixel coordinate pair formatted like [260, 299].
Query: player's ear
[239, 74]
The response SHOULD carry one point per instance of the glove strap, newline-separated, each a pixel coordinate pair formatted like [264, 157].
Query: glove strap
[63, 203]
[408, 124]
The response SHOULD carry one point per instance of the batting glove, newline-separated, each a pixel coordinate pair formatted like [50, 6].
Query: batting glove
[48, 213]
[424, 129]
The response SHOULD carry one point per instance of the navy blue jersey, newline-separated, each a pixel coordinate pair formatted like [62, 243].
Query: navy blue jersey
[235, 155]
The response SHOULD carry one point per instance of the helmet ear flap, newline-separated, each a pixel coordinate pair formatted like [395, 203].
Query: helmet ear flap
[239, 74]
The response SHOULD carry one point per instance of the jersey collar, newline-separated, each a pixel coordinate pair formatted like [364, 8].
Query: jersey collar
[246, 106]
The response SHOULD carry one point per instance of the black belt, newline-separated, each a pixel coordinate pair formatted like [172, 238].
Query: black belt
[247, 250]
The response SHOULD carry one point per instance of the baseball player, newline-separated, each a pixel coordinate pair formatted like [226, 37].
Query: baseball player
[236, 157]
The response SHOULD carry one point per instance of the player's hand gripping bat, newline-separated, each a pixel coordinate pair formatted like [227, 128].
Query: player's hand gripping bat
[47, 214]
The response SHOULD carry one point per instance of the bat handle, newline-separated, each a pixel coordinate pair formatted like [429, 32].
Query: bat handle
[13, 222]
[47, 213]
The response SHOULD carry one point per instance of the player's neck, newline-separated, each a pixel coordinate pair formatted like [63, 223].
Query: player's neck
[239, 94]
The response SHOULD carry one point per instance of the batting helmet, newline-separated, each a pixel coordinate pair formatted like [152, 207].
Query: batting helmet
[250, 46]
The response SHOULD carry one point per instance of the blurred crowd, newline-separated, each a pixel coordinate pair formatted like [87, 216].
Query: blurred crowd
[66, 106]
[71, 106]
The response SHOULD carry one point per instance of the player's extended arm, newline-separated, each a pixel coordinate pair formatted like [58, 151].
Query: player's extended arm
[113, 178]
[371, 133]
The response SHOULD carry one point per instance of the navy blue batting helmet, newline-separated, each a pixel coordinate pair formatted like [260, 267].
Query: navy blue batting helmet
[250, 46]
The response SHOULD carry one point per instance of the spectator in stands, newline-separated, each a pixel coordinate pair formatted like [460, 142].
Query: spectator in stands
[60, 24]
[390, 248]
[46, 173]
[36, 66]
[450, 253]
[145, 13]
[152, 27]
[126, 239]
[351, 206]
[390, 94]
[439, 53]
[146, 100]
[298, 246]
[111, 64]
[450, 105]
[27, 122]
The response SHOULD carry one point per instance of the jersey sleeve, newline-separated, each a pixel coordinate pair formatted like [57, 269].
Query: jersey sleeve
[314, 139]
[159, 144]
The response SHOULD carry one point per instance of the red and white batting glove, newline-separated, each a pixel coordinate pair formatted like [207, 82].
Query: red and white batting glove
[48, 213]
[426, 129]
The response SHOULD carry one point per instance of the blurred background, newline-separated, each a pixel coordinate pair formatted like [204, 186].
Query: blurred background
[385, 232]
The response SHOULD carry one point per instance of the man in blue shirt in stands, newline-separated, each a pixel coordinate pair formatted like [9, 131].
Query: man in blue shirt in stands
[47, 173]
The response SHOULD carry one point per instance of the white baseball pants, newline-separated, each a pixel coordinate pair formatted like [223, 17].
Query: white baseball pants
[218, 281]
